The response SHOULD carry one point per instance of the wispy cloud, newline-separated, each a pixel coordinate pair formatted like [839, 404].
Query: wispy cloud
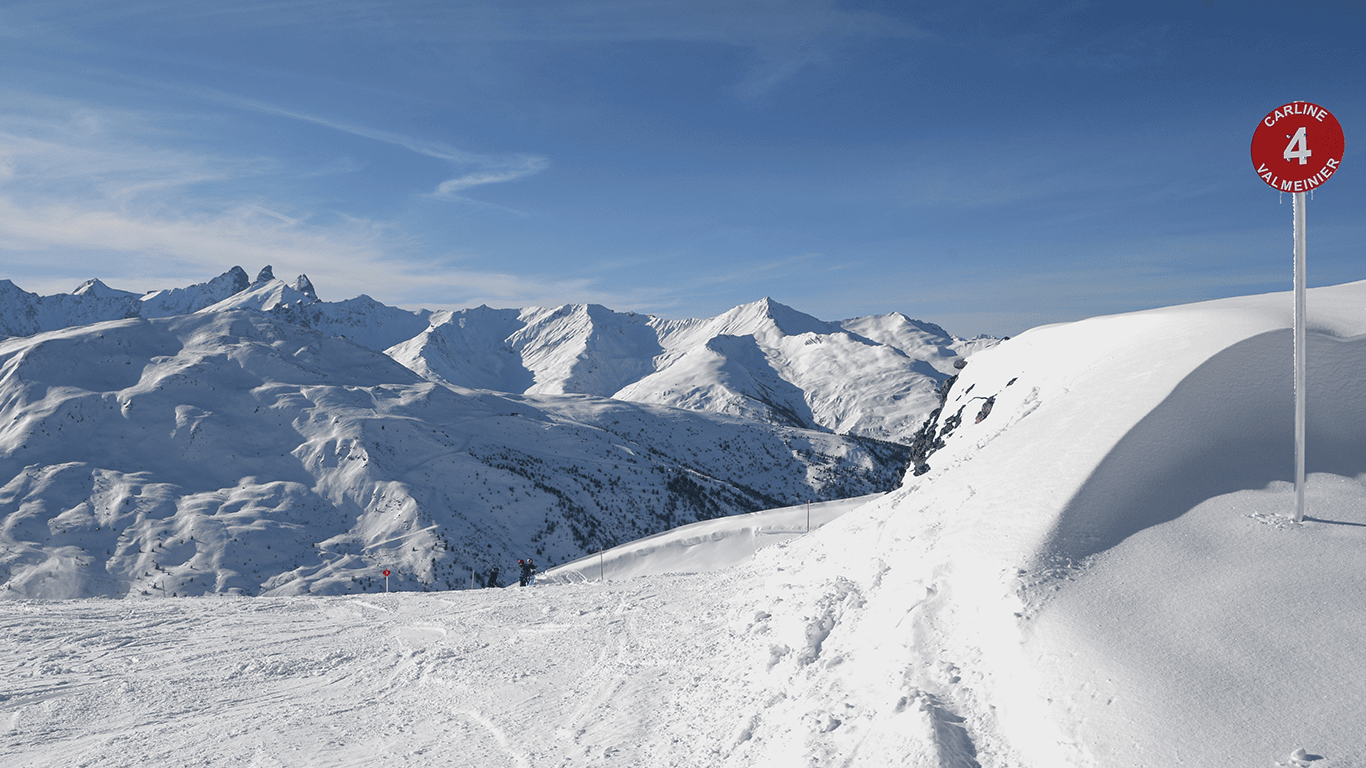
[76, 240]
[478, 168]
[49, 248]
[119, 194]
[58, 149]
[509, 169]
[116, 194]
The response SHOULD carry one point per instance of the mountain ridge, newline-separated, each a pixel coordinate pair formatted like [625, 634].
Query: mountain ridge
[234, 452]
[873, 376]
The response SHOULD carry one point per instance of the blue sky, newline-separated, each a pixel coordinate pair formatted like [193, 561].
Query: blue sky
[988, 167]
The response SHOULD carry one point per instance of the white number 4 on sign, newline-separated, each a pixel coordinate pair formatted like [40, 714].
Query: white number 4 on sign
[1298, 148]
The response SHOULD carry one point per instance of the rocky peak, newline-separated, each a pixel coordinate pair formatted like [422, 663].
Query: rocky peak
[96, 289]
[304, 286]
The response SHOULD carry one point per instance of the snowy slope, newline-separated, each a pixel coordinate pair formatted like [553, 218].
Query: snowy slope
[468, 347]
[1099, 572]
[227, 451]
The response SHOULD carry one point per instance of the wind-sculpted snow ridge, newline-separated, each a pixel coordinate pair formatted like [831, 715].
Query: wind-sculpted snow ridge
[230, 452]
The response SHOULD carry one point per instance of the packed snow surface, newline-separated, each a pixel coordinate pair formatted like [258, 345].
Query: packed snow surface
[1097, 569]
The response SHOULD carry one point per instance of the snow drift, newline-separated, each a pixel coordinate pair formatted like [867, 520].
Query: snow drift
[1101, 570]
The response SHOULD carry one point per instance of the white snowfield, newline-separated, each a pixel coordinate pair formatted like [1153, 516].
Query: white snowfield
[1099, 572]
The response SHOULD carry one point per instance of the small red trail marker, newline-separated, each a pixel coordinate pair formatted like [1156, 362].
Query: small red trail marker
[1295, 148]
[386, 579]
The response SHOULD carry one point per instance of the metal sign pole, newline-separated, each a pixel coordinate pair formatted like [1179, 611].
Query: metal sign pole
[1297, 147]
[1300, 357]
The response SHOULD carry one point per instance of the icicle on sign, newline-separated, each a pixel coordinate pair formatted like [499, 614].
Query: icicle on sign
[1296, 148]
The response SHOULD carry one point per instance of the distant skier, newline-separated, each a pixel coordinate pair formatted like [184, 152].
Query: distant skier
[528, 570]
[493, 577]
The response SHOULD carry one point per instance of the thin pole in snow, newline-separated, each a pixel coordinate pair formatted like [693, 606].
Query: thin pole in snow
[1300, 357]
[808, 515]
[601, 573]
[1313, 155]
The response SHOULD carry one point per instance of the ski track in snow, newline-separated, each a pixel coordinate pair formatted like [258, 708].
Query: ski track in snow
[649, 671]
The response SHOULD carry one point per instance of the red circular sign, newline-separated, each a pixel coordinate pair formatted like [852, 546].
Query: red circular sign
[1297, 147]
[386, 572]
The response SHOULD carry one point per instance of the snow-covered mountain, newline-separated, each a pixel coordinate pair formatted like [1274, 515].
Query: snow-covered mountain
[1100, 571]
[182, 301]
[230, 451]
[265, 293]
[24, 314]
[133, 421]
[873, 376]
[761, 361]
